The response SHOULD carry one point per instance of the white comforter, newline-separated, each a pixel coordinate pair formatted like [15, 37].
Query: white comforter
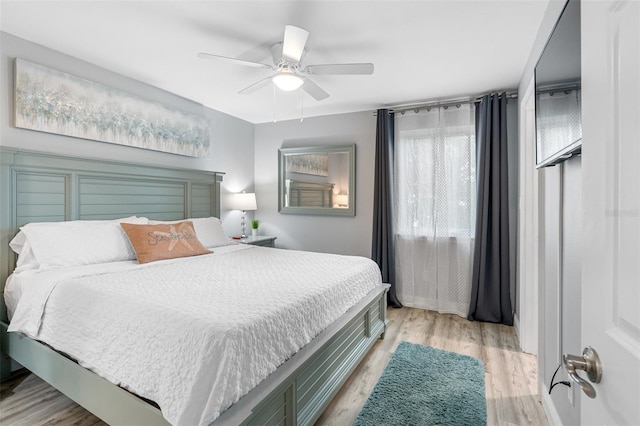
[195, 334]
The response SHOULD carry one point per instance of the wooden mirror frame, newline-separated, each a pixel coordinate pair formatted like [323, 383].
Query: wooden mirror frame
[283, 153]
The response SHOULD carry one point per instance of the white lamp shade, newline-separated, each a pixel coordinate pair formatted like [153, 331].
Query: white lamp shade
[244, 201]
[287, 81]
[342, 199]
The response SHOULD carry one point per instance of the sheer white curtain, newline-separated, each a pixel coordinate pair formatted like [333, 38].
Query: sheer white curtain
[435, 192]
[558, 116]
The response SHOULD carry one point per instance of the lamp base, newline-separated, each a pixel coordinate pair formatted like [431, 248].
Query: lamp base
[243, 224]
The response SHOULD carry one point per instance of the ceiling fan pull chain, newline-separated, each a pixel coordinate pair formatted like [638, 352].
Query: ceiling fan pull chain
[301, 106]
[274, 103]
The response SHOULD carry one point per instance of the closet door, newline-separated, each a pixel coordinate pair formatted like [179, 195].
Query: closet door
[611, 207]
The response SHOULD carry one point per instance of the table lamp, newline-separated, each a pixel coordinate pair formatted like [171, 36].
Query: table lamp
[244, 201]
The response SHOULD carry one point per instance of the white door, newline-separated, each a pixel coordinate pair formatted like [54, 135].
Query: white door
[611, 206]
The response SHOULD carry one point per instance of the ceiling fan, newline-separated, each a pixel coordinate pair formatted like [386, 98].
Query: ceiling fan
[289, 73]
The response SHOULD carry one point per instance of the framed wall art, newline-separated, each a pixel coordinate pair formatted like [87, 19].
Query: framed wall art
[52, 101]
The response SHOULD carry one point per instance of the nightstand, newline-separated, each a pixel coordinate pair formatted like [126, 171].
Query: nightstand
[263, 240]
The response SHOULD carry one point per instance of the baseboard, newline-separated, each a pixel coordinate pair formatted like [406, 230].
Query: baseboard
[532, 348]
[549, 408]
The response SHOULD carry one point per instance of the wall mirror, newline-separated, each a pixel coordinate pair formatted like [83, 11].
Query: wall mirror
[317, 180]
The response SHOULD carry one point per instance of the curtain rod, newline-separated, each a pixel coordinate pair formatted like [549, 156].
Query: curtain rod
[511, 94]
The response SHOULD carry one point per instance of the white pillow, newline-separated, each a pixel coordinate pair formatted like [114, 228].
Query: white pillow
[26, 258]
[74, 243]
[17, 243]
[208, 230]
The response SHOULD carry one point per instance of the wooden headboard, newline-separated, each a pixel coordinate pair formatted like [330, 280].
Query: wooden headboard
[39, 187]
[309, 194]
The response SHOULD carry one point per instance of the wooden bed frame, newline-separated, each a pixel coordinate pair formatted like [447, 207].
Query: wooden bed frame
[309, 194]
[37, 187]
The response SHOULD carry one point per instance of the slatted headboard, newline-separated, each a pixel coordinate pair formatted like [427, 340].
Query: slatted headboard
[38, 187]
[309, 194]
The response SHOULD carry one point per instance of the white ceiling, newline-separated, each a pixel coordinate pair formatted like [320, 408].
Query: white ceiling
[421, 50]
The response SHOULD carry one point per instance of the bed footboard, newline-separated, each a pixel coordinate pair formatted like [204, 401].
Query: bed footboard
[300, 390]
[295, 394]
[105, 400]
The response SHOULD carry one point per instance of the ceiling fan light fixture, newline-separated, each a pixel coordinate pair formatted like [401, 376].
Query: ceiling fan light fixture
[290, 74]
[287, 81]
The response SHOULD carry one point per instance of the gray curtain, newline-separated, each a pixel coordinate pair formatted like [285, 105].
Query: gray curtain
[490, 291]
[383, 245]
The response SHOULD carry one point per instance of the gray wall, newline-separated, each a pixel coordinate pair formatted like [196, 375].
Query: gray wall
[560, 194]
[232, 138]
[342, 235]
[549, 20]
[336, 234]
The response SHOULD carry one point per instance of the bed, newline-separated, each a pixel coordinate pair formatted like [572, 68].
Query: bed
[293, 392]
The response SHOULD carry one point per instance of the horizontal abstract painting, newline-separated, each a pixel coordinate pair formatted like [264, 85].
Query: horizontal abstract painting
[309, 164]
[51, 101]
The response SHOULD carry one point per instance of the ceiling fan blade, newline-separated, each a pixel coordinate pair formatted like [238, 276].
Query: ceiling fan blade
[314, 90]
[340, 69]
[256, 86]
[293, 43]
[235, 60]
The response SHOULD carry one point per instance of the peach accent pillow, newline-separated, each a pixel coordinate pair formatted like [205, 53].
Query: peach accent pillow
[164, 241]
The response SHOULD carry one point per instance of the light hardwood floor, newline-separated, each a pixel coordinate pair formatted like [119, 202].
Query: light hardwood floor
[510, 375]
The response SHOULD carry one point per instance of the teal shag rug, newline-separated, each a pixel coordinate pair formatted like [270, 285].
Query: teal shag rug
[425, 386]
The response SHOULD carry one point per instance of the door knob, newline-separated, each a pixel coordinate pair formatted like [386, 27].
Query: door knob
[589, 362]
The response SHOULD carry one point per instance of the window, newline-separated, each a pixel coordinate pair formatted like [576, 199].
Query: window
[435, 172]
[435, 204]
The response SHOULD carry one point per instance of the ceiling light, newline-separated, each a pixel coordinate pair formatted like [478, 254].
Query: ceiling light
[287, 81]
